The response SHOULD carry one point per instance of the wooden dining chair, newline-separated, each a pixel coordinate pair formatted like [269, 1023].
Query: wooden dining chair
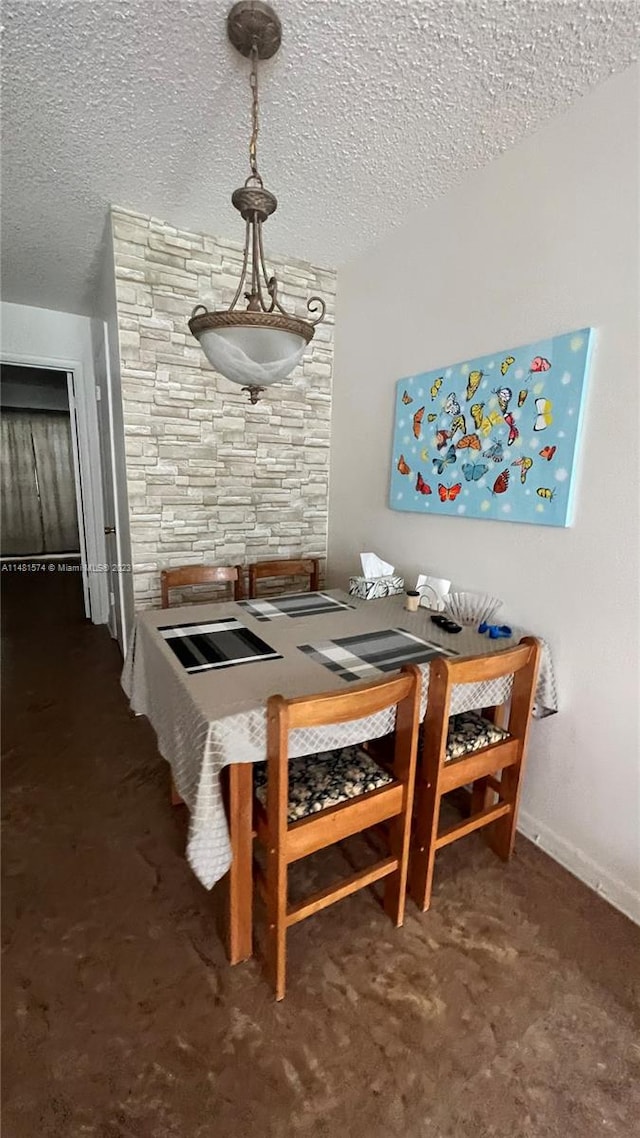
[185, 576]
[486, 749]
[302, 567]
[306, 804]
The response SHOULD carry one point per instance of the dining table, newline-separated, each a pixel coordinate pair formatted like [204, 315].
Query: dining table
[202, 675]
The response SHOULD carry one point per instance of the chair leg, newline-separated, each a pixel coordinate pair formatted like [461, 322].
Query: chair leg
[424, 854]
[276, 940]
[501, 835]
[395, 890]
[176, 800]
[479, 795]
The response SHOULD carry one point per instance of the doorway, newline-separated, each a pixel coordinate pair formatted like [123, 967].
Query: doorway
[42, 513]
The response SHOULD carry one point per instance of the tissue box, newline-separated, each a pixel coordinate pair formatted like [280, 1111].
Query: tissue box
[374, 588]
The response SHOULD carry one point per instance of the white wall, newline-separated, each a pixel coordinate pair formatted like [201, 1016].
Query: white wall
[541, 241]
[40, 337]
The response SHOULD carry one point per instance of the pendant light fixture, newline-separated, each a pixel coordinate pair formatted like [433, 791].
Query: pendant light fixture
[262, 343]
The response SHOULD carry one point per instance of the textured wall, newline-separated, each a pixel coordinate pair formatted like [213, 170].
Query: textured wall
[209, 477]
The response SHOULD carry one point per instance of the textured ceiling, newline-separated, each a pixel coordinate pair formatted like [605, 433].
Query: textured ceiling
[371, 108]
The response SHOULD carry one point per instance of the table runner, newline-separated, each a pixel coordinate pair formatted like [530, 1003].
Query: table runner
[206, 720]
[295, 605]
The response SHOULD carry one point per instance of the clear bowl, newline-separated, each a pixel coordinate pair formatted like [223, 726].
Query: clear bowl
[472, 608]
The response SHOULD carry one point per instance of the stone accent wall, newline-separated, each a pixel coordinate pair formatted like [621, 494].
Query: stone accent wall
[211, 478]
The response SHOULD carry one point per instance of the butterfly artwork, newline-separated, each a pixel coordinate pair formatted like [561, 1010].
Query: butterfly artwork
[449, 493]
[473, 384]
[495, 437]
[504, 395]
[474, 471]
[544, 418]
[417, 422]
[442, 438]
[525, 463]
[482, 422]
[470, 442]
[501, 483]
[539, 363]
[445, 460]
[514, 433]
[495, 452]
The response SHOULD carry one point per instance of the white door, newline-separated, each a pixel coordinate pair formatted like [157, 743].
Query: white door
[114, 561]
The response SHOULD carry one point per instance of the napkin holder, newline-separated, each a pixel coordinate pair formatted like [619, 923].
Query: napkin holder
[373, 588]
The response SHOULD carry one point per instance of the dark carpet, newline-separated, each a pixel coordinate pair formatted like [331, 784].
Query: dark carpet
[509, 1010]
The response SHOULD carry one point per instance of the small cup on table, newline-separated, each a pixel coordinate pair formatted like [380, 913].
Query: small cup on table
[412, 600]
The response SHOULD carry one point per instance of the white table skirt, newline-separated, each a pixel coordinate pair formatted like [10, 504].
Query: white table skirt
[204, 722]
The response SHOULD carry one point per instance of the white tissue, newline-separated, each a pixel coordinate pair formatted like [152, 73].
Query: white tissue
[432, 591]
[373, 566]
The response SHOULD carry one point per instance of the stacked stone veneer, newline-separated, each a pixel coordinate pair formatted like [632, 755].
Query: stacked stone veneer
[211, 478]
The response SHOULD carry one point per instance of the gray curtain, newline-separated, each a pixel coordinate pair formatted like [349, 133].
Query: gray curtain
[38, 488]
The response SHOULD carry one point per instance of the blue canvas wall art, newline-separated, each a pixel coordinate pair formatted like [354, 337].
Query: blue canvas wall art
[493, 437]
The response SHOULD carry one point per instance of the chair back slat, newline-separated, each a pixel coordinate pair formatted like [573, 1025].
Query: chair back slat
[522, 662]
[185, 576]
[492, 666]
[297, 567]
[358, 702]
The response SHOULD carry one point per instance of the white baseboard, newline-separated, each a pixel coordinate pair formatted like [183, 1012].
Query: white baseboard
[621, 896]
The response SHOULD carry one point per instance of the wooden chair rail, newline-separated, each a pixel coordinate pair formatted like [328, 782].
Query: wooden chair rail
[461, 829]
[459, 772]
[316, 831]
[348, 885]
[342, 821]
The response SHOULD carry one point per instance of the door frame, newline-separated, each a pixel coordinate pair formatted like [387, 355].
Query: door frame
[108, 458]
[86, 447]
[77, 477]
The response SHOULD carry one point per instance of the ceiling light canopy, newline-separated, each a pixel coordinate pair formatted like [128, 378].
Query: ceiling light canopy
[261, 344]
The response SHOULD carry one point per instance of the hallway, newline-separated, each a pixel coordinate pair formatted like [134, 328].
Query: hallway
[507, 1011]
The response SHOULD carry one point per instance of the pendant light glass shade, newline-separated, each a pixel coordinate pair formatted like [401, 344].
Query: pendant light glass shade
[258, 356]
